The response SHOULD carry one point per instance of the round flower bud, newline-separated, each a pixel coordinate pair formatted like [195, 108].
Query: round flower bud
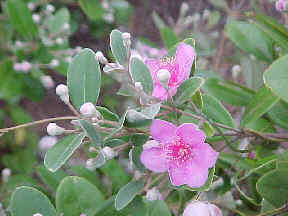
[153, 194]
[184, 8]
[31, 6]
[47, 82]
[89, 110]
[50, 8]
[37, 214]
[54, 63]
[78, 49]
[126, 36]
[46, 142]
[26, 66]
[68, 59]
[17, 66]
[196, 208]
[206, 14]
[54, 130]
[163, 75]
[138, 86]
[236, 69]
[66, 26]
[61, 90]
[6, 173]
[108, 17]
[36, 18]
[19, 44]
[101, 58]
[109, 153]
[59, 41]
[82, 214]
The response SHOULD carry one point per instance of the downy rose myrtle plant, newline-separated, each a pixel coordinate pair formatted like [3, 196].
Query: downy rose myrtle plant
[178, 67]
[179, 150]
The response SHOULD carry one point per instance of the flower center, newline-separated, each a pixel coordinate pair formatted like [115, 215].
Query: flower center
[177, 150]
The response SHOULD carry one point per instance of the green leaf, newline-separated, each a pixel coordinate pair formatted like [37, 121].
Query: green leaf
[272, 29]
[135, 156]
[250, 39]
[127, 193]
[117, 46]
[140, 73]
[168, 37]
[62, 151]
[21, 18]
[207, 128]
[228, 92]
[29, 201]
[77, 196]
[214, 110]
[116, 174]
[139, 139]
[107, 114]
[118, 128]
[279, 114]
[259, 105]
[273, 187]
[157, 208]
[197, 100]
[84, 78]
[276, 77]
[91, 133]
[92, 8]
[261, 125]
[187, 89]
[52, 180]
[98, 161]
[55, 23]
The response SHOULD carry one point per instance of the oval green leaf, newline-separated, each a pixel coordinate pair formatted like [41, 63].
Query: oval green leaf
[140, 73]
[276, 77]
[84, 78]
[29, 201]
[77, 196]
[61, 151]
[259, 105]
[127, 193]
[117, 46]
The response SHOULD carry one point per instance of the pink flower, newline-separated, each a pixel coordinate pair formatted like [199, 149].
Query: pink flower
[281, 5]
[181, 151]
[179, 68]
[197, 208]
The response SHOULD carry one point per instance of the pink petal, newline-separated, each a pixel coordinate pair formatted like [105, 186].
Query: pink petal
[159, 92]
[205, 156]
[184, 58]
[191, 134]
[154, 66]
[162, 131]
[154, 159]
[189, 174]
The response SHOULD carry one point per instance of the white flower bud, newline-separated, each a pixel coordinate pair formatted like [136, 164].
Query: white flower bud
[68, 59]
[138, 86]
[46, 142]
[150, 144]
[109, 153]
[31, 6]
[196, 208]
[163, 75]
[108, 17]
[54, 130]
[236, 69]
[66, 26]
[47, 42]
[61, 90]
[206, 14]
[126, 39]
[59, 41]
[239, 202]
[19, 44]
[101, 58]
[184, 8]
[138, 175]
[6, 173]
[153, 194]
[17, 66]
[78, 49]
[26, 66]
[36, 18]
[89, 110]
[47, 82]
[50, 8]
[82, 214]
[92, 149]
[54, 63]
[37, 214]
